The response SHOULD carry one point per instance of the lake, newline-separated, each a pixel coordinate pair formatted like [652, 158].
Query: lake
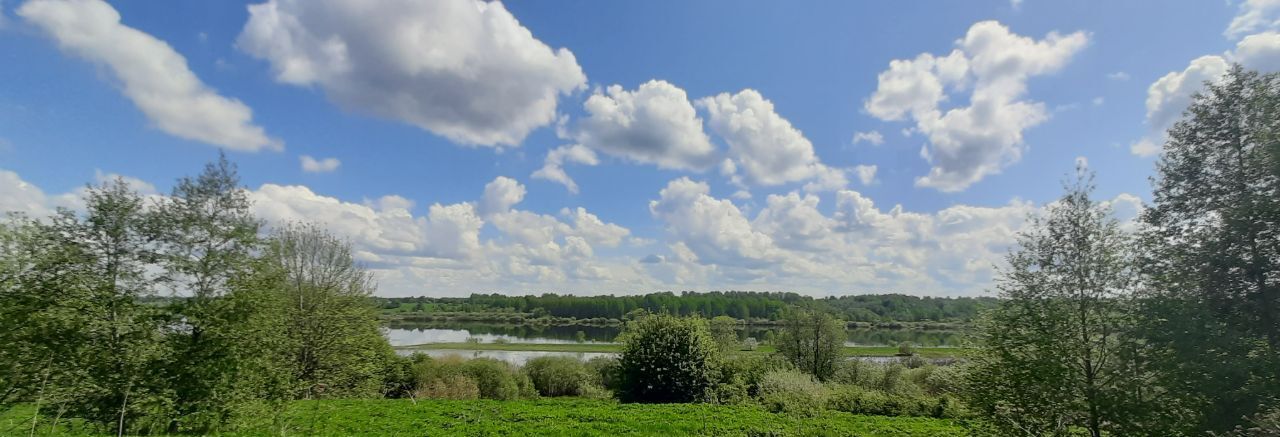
[408, 334]
[404, 334]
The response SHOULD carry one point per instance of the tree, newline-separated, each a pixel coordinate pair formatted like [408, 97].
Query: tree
[1212, 253]
[666, 358]
[207, 237]
[812, 341]
[724, 332]
[331, 321]
[1053, 356]
[74, 321]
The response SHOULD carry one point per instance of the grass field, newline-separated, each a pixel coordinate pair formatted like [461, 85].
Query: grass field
[548, 417]
[852, 351]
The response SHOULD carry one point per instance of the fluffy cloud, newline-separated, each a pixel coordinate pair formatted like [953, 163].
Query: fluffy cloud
[655, 124]
[969, 143]
[1259, 52]
[500, 195]
[1170, 95]
[792, 244]
[1254, 15]
[715, 230]
[324, 165]
[463, 69]
[765, 146]
[150, 73]
[709, 243]
[553, 165]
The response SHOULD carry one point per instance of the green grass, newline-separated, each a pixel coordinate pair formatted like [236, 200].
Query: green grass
[547, 417]
[852, 351]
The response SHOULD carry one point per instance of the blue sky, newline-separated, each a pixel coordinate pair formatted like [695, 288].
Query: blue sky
[452, 107]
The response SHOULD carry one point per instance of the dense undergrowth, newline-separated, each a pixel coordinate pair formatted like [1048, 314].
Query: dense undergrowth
[560, 416]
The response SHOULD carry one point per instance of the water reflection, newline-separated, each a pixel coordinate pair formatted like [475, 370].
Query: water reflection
[403, 334]
[514, 357]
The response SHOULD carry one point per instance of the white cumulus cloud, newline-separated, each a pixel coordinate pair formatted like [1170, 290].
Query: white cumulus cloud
[463, 69]
[971, 142]
[655, 124]
[150, 73]
[762, 144]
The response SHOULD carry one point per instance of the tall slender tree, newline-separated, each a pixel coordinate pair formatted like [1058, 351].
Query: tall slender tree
[1212, 246]
[208, 237]
[1053, 356]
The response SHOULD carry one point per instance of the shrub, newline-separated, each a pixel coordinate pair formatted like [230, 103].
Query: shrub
[858, 400]
[943, 380]
[792, 392]
[449, 387]
[906, 349]
[859, 373]
[666, 359]
[605, 372]
[914, 362]
[558, 376]
[894, 380]
[750, 344]
[453, 377]
[494, 378]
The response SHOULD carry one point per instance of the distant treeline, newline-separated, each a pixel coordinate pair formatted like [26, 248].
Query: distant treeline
[746, 305]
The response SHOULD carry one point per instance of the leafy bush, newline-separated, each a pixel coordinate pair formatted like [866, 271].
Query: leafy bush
[454, 377]
[750, 344]
[494, 378]
[906, 349]
[454, 386]
[792, 392]
[859, 373]
[667, 359]
[558, 376]
[605, 372]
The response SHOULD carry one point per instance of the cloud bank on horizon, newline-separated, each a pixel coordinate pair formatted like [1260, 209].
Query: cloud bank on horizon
[737, 187]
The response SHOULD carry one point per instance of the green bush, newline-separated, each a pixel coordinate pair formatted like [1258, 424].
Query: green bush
[859, 373]
[858, 400]
[558, 376]
[667, 359]
[454, 377]
[792, 392]
[605, 372]
[495, 379]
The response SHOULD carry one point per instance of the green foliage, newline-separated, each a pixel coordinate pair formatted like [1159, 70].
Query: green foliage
[453, 377]
[792, 392]
[667, 359]
[741, 305]
[1211, 312]
[544, 417]
[83, 334]
[335, 342]
[724, 332]
[1053, 357]
[497, 379]
[605, 372]
[558, 376]
[812, 341]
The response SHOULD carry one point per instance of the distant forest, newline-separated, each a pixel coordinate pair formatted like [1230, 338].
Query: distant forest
[745, 305]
